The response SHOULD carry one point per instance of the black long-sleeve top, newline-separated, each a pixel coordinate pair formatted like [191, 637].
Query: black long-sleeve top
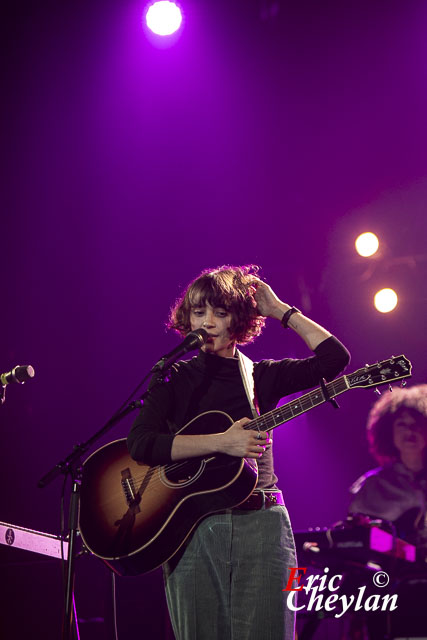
[209, 382]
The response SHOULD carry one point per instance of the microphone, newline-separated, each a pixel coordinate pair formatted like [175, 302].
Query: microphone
[194, 340]
[19, 374]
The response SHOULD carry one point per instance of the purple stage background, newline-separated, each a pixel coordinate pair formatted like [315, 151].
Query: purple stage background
[128, 168]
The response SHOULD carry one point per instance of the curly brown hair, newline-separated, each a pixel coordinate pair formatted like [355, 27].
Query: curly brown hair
[231, 288]
[383, 414]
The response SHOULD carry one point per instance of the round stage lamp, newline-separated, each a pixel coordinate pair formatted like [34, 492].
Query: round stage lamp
[367, 244]
[385, 300]
[163, 18]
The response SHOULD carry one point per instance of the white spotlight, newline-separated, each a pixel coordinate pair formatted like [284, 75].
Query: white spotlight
[385, 300]
[367, 244]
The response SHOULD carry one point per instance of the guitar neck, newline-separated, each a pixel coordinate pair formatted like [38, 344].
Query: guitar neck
[286, 412]
[386, 371]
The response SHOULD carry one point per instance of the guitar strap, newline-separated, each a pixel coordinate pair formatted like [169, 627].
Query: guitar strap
[246, 367]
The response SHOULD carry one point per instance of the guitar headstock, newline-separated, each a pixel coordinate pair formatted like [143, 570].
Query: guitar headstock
[372, 375]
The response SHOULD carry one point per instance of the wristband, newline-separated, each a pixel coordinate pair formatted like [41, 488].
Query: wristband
[287, 315]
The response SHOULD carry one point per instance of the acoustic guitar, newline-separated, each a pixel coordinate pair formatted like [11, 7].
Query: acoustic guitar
[135, 517]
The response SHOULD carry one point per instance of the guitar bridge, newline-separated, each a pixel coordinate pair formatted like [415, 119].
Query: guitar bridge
[132, 496]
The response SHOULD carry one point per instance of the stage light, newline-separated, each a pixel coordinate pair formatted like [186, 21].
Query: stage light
[163, 18]
[385, 300]
[367, 244]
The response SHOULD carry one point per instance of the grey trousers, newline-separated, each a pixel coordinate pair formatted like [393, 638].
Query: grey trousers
[227, 583]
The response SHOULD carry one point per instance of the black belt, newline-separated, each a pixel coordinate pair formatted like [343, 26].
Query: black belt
[261, 499]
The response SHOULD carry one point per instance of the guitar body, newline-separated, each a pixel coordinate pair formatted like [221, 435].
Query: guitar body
[135, 517]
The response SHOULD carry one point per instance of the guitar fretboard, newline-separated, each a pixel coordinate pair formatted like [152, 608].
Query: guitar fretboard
[308, 401]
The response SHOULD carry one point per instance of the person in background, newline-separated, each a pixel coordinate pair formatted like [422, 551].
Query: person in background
[396, 491]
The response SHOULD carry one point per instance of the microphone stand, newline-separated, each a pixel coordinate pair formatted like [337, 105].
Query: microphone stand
[71, 466]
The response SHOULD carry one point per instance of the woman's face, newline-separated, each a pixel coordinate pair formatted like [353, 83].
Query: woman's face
[217, 322]
[409, 433]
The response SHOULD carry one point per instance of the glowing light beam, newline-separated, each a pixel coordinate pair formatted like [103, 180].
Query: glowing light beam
[163, 18]
[367, 244]
[385, 300]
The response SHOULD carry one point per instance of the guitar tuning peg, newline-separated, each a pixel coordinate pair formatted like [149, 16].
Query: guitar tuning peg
[377, 391]
[403, 384]
[390, 388]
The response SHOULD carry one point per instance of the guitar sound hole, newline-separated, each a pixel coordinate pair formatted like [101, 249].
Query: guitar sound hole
[182, 474]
